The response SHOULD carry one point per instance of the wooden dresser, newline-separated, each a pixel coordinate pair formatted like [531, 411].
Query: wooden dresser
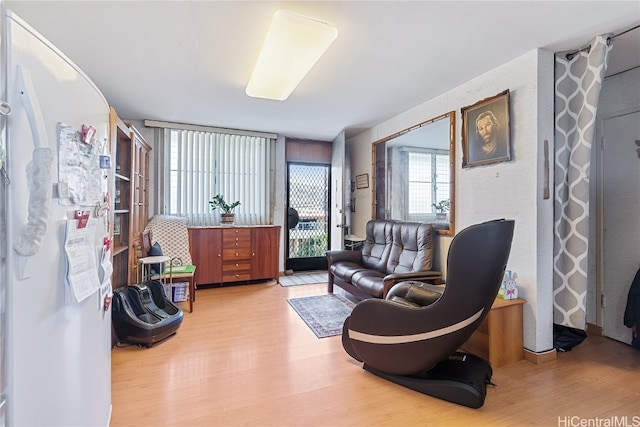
[235, 253]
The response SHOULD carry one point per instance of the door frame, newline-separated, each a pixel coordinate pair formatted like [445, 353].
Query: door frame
[337, 193]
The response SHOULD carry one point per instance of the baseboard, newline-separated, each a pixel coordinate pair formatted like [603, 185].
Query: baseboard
[540, 357]
[594, 329]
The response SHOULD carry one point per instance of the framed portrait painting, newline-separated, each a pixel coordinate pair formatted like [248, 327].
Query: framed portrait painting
[486, 136]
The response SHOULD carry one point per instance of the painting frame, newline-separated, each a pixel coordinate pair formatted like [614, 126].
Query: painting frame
[486, 131]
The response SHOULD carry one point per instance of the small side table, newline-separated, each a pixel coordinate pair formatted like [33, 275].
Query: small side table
[353, 242]
[499, 338]
[145, 271]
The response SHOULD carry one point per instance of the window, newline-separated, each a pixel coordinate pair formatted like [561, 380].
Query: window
[200, 164]
[427, 177]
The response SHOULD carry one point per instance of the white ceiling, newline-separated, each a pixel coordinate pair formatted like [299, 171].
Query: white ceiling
[189, 61]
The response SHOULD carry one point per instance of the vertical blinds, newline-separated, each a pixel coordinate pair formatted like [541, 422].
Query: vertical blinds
[199, 164]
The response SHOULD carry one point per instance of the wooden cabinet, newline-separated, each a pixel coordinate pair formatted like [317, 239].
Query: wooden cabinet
[235, 254]
[499, 338]
[265, 244]
[205, 245]
[130, 198]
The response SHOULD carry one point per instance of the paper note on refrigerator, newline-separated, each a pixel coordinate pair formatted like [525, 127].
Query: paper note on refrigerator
[78, 169]
[82, 267]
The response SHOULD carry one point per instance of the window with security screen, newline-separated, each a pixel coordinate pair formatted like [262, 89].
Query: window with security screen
[426, 176]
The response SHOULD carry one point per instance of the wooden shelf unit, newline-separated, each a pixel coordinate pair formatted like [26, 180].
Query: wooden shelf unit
[129, 197]
[141, 188]
[121, 198]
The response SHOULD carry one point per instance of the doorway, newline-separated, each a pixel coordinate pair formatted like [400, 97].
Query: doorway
[308, 201]
[621, 232]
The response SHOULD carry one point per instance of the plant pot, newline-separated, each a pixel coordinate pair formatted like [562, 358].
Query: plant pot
[227, 218]
[441, 216]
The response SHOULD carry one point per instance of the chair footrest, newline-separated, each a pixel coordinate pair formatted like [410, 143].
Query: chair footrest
[462, 380]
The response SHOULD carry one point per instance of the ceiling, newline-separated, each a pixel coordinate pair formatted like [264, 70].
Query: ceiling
[189, 61]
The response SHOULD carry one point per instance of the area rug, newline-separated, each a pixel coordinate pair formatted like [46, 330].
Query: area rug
[304, 278]
[324, 314]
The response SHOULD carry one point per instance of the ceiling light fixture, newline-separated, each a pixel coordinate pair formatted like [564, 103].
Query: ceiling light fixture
[294, 43]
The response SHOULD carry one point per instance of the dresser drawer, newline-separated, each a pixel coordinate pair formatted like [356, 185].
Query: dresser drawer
[236, 277]
[236, 254]
[240, 265]
[236, 270]
[236, 236]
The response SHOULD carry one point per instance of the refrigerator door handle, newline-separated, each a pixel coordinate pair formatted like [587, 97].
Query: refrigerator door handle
[32, 107]
[5, 108]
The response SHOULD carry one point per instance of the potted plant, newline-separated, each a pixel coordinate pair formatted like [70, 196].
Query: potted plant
[442, 207]
[226, 209]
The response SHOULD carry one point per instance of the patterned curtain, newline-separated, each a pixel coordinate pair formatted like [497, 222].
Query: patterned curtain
[578, 79]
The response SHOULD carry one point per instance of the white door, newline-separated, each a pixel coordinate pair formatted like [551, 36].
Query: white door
[621, 222]
[337, 193]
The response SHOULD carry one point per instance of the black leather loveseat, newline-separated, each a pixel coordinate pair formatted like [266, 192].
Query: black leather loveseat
[393, 252]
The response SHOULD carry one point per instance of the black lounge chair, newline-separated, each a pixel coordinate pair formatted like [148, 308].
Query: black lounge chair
[412, 336]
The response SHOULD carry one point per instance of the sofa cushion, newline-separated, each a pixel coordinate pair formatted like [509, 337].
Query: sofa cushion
[412, 248]
[345, 270]
[375, 251]
[369, 281]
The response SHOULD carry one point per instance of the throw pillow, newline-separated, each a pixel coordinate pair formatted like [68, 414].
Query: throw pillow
[156, 250]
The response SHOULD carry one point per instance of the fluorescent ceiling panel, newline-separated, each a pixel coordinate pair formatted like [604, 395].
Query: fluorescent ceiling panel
[294, 43]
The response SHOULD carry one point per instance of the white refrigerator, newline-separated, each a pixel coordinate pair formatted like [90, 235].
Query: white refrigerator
[55, 269]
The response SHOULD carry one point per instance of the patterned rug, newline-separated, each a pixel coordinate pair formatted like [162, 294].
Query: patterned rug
[324, 314]
[309, 278]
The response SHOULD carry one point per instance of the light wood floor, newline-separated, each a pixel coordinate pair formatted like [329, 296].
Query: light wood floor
[244, 357]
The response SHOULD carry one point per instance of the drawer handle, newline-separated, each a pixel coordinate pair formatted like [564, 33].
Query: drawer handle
[236, 253]
[237, 245]
[237, 265]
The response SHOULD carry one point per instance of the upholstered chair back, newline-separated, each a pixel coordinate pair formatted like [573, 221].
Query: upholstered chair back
[377, 244]
[412, 247]
[173, 236]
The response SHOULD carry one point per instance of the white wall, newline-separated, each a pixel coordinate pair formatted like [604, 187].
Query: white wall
[510, 190]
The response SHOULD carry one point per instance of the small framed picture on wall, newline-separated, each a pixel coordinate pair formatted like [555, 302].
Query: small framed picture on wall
[486, 134]
[362, 181]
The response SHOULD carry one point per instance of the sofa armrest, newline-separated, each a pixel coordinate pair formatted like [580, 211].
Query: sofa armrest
[343, 255]
[430, 276]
